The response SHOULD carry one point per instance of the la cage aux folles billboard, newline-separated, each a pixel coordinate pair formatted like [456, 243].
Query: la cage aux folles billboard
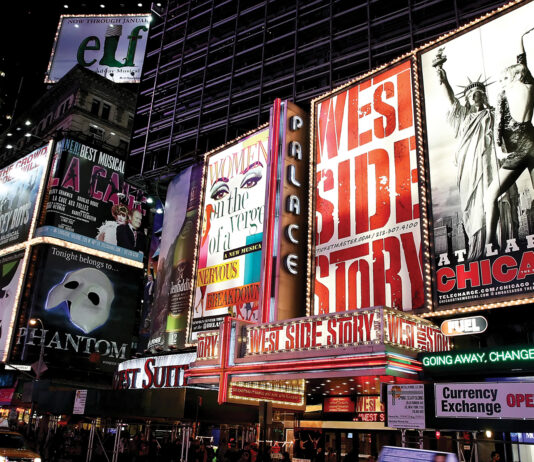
[110, 45]
[19, 187]
[89, 203]
[368, 235]
[229, 257]
[478, 106]
[87, 306]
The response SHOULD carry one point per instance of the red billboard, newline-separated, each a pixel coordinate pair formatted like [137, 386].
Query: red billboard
[368, 237]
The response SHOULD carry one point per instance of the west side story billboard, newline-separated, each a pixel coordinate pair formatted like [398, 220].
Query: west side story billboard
[19, 187]
[229, 257]
[110, 45]
[478, 106]
[87, 306]
[368, 237]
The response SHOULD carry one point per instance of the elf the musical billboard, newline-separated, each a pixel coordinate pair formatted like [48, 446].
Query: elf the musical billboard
[368, 237]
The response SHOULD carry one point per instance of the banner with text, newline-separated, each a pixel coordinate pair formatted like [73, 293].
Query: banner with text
[229, 264]
[368, 236]
[19, 187]
[478, 106]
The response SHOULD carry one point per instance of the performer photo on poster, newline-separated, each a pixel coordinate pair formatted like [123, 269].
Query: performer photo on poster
[19, 187]
[87, 306]
[229, 256]
[479, 103]
[89, 197]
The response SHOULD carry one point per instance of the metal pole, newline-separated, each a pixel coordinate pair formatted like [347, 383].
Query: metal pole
[117, 443]
[475, 447]
[91, 440]
[37, 373]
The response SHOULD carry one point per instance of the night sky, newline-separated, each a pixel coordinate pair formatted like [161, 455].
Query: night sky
[30, 28]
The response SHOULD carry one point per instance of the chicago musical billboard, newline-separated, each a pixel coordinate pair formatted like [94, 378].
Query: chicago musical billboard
[229, 263]
[19, 188]
[87, 306]
[478, 106]
[368, 236]
[110, 45]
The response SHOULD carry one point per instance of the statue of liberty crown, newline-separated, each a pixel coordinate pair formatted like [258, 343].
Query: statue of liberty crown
[478, 84]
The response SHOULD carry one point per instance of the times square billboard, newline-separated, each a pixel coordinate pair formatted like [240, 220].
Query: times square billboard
[110, 45]
[478, 102]
[368, 231]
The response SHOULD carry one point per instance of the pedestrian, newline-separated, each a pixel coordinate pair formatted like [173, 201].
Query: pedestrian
[495, 456]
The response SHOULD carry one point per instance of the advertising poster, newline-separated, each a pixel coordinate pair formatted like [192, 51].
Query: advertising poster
[368, 237]
[479, 102]
[168, 316]
[398, 454]
[19, 186]
[87, 306]
[150, 282]
[229, 264]
[406, 406]
[110, 45]
[10, 273]
[484, 400]
[89, 202]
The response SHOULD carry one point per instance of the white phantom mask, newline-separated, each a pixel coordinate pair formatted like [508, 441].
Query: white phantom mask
[88, 293]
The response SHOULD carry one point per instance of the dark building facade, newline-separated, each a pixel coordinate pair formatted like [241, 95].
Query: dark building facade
[213, 68]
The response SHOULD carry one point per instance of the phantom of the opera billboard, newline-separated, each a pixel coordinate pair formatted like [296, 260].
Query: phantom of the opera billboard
[87, 306]
[478, 107]
[90, 204]
[172, 295]
[10, 274]
[110, 45]
[368, 236]
[229, 257]
[19, 188]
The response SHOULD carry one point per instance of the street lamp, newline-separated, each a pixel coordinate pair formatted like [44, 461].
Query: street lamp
[34, 322]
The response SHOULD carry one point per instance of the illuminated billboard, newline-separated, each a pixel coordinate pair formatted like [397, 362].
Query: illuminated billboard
[229, 260]
[173, 291]
[10, 275]
[478, 107]
[19, 189]
[90, 204]
[110, 45]
[368, 236]
[87, 306]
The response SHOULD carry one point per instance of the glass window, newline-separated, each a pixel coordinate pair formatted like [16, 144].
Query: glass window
[106, 109]
[95, 107]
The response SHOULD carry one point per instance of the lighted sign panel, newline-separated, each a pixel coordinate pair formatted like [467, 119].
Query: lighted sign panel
[361, 327]
[229, 257]
[464, 326]
[505, 359]
[10, 276]
[173, 291]
[369, 404]
[406, 406]
[338, 404]
[484, 400]
[19, 189]
[153, 372]
[477, 111]
[110, 45]
[281, 396]
[368, 236]
[89, 203]
[87, 306]
[285, 265]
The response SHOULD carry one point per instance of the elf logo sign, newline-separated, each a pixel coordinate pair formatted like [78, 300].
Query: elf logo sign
[464, 326]
[110, 45]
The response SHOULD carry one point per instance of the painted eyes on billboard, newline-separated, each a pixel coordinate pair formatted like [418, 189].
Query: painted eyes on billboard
[252, 175]
[219, 189]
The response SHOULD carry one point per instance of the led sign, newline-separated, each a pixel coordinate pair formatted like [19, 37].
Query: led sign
[488, 358]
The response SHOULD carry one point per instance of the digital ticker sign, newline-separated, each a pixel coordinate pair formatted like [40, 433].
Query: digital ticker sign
[502, 359]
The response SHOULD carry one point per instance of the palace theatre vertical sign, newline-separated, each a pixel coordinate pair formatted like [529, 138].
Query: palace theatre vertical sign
[368, 237]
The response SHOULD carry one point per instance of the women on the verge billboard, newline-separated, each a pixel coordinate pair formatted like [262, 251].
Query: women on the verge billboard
[229, 256]
[368, 237]
[478, 105]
